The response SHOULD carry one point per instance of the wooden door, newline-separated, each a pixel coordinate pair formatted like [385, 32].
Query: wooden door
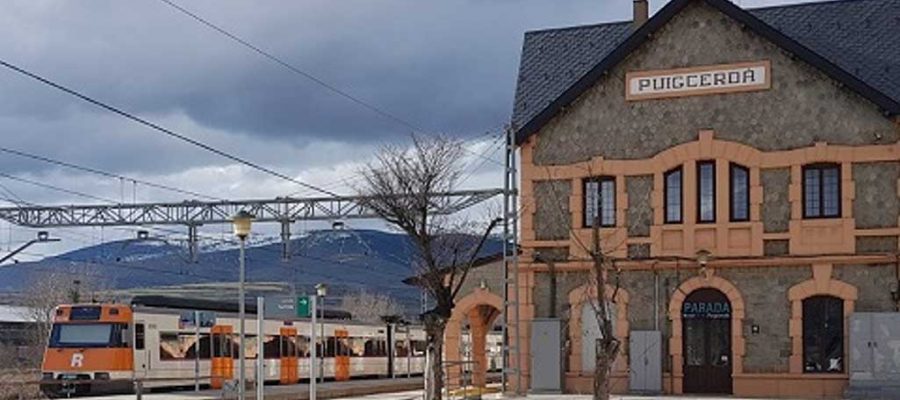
[288, 350]
[222, 362]
[706, 325]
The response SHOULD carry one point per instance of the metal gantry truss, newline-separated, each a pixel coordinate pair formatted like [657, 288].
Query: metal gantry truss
[193, 213]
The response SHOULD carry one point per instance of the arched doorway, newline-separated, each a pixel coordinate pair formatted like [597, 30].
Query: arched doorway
[470, 336]
[479, 342]
[706, 329]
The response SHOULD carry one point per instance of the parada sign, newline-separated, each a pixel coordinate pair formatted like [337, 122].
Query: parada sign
[695, 81]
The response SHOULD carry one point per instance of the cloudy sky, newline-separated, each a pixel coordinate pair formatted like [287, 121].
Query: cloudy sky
[443, 66]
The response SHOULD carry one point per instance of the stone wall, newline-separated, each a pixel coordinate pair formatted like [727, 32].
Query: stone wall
[876, 204]
[552, 218]
[491, 274]
[776, 206]
[874, 284]
[766, 304]
[640, 213]
[803, 106]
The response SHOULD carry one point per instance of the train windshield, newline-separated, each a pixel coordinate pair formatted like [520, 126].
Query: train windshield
[88, 335]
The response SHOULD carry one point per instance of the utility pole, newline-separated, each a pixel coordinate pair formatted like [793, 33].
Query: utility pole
[313, 345]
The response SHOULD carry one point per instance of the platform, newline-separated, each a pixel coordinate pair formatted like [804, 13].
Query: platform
[327, 390]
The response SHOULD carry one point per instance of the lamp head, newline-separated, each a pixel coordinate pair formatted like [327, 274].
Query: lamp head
[321, 289]
[241, 223]
[703, 257]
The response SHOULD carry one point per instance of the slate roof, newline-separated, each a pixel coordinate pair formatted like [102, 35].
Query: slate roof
[853, 40]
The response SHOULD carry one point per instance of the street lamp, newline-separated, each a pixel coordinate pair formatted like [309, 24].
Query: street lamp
[241, 223]
[321, 292]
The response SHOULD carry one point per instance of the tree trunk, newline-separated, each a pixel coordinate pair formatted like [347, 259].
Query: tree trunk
[602, 367]
[434, 358]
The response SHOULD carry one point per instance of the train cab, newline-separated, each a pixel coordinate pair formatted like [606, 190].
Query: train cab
[89, 349]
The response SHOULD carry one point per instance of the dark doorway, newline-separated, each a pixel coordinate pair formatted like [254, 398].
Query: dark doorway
[706, 324]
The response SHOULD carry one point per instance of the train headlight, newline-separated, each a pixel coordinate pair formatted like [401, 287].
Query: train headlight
[101, 376]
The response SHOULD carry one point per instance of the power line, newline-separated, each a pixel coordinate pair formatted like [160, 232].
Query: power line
[256, 49]
[160, 128]
[293, 68]
[104, 173]
[56, 188]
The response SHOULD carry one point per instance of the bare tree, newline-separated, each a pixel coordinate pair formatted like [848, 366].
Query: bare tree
[601, 263]
[46, 291]
[403, 187]
[607, 345]
[370, 307]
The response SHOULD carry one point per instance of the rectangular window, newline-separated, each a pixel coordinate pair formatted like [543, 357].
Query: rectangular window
[600, 197]
[175, 346]
[706, 191]
[673, 196]
[822, 191]
[740, 193]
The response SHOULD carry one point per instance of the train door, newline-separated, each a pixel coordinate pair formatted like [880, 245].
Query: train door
[141, 357]
[288, 344]
[342, 355]
[222, 362]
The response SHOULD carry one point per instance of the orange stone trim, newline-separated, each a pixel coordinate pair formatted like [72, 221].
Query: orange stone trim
[723, 238]
[577, 299]
[822, 283]
[676, 344]
[453, 331]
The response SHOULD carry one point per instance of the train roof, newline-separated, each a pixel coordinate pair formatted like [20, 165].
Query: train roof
[181, 303]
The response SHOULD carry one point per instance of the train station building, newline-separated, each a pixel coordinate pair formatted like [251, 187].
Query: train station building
[743, 165]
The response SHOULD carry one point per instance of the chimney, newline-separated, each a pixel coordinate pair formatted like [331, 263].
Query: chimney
[641, 13]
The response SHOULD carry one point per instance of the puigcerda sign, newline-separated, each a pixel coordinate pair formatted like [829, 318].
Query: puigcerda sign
[695, 81]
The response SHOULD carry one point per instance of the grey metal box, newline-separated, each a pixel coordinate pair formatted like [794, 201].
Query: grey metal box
[645, 361]
[546, 355]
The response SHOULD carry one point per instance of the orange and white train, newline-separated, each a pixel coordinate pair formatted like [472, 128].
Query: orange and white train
[166, 347]
[105, 348]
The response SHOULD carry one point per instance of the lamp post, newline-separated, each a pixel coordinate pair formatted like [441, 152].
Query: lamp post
[241, 223]
[321, 292]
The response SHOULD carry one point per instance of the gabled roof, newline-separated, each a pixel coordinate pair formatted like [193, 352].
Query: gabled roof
[856, 42]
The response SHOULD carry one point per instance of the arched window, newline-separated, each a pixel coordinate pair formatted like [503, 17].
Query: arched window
[590, 332]
[823, 334]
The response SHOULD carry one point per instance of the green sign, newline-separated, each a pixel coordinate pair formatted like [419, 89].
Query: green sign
[303, 307]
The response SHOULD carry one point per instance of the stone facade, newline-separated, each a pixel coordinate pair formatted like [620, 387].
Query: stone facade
[552, 209]
[877, 204]
[803, 101]
[874, 282]
[767, 264]
[776, 209]
[640, 213]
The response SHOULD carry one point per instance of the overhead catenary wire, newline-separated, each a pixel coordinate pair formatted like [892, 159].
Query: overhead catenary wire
[161, 129]
[414, 128]
[104, 173]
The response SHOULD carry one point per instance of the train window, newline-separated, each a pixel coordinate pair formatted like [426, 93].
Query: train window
[357, 347]
[376, 348]
[330, 346]
[274, 347]
[302, 346]
[343, 347]
[419, 347]
[223, 345]
[139, 336]
[401, 349]
[178, 346]
[87, 335]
